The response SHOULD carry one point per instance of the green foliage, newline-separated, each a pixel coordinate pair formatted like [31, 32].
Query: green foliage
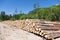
[3, 16]
[51, 13]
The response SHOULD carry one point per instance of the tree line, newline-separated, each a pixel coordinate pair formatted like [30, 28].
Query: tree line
[51, 13]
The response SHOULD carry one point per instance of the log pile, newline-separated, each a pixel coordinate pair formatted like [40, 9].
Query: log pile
[39, 27]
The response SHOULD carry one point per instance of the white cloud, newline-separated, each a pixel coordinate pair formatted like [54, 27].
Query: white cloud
[57, 4]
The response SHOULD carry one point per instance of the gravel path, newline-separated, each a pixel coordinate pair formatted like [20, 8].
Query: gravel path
[12, 33]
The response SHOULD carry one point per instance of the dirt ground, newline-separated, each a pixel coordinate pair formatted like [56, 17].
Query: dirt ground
[12, 33]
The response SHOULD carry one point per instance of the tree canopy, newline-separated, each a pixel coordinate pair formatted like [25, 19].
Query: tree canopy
[51, 13]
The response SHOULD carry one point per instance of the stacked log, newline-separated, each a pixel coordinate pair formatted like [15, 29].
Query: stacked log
[35, 26]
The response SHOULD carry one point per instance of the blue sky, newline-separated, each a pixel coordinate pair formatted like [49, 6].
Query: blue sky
[9, 6]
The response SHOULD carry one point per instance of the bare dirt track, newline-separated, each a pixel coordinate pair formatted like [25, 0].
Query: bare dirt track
[11, 33]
